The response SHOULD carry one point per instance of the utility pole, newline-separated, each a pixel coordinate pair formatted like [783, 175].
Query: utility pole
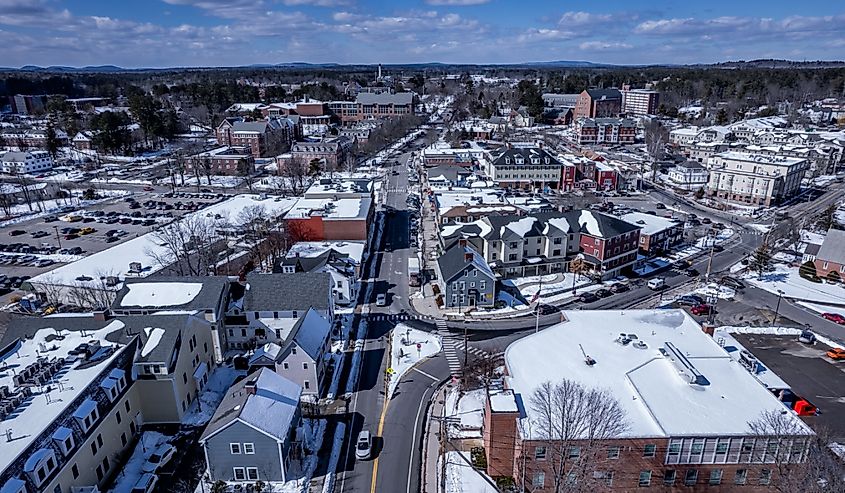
[58, 236]
[710, 259]
[777, 307]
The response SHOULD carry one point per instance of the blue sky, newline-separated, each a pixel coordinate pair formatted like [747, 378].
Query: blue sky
[166, 33]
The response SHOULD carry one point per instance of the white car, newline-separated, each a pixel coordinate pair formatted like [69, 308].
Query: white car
[160, 456]
[364, 445]
[146, 484]
[381, 299]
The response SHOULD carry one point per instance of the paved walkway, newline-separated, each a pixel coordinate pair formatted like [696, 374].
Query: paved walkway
[434, 430]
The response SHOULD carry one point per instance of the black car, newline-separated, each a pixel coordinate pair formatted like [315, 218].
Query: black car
[718, 248]
[682, 264]
[694, 222]
[690, 299]
[706, 220]
[603, 293]
[660, 206]
[732, 282]
[693, 272]
[588, 297]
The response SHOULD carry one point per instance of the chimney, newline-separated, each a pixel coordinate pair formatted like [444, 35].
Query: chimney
[462, 242]
[100, 315]
[468, 257]
[250, 387]
[540, 144]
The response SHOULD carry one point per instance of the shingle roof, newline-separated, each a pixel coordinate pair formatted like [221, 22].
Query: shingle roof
[526, 154]
[833, 247]
[454, 261]
[270, 409]
[604, 94]
[258, 126]
[277, 292]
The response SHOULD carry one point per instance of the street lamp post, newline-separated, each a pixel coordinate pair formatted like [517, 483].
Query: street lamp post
[777, 307]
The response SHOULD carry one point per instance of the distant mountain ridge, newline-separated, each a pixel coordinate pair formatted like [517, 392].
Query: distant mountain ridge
[760, 63]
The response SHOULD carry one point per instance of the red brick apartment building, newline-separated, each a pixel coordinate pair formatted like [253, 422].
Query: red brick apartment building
[335, 153]
[265, 138]
[369, 106]
[605, 130]
[607, 243]
[831, 255]
[598, 103]
[223, 161]
[685, 407]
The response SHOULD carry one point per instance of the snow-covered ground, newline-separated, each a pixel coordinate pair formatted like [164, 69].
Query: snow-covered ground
[462, 478]
[466, 412]
[565, 283]
[820, 308]
[715, 290]
[763, 228]
[786, 279]
[203, 408]
[216, 181]
[409, 346]
[131, 471]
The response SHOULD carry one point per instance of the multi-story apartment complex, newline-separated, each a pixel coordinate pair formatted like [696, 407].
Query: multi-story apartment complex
[657, 234]
[28, 104]
[546, 242]
[97, 380]
[26, 162]
[689, 175]
[370, 105]
[264, 138]
[753, 178]
[599, 103]
[605, 130]
[639, 102]
[224, 160]
[685, 405]
[525, 167]
[335, 153]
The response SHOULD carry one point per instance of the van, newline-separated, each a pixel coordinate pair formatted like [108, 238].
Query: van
[656, 283]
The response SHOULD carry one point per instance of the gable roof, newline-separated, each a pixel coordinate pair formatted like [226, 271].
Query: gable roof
[495, 227]
[454, 261]
[277, 292]
[257, 126]
[270, 409]
[833, 247]
[310, 332]
[604, 94]
[509, 156]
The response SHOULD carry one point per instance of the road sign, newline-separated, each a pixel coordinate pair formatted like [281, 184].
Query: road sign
[419, 346]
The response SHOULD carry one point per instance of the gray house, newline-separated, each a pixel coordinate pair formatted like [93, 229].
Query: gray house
[252, 435]
[466, 279]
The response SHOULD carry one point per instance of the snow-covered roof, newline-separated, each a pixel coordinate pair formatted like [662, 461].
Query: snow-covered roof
[160, 294]
[153, 338]
[649, 224]
[760, 158]
[330, 209]
[649, 376]
[30, 420]
[353, 249]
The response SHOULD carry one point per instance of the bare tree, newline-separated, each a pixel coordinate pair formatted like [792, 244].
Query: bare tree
[51, 289]
[95, 294]
[187, 245]
[576, 424]
[801, 460]
[656, 136]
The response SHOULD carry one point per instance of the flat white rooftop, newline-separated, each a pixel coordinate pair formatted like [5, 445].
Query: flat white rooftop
[656, 396]
[649, 223]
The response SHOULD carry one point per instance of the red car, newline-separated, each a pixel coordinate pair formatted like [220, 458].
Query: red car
[148, 188]
[834, 317]
[702, 309]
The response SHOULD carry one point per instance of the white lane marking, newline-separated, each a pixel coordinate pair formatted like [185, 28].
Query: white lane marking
[426, 374]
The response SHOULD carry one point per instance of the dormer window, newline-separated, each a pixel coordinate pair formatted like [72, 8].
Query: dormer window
[535, 160]
[40, 465]
[63, 437]
[109, 386]
[87, 414]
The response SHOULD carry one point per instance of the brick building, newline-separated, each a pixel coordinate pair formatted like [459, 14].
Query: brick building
[657, 234]
[375, 105]
[685, 402]
[223, 161]
[265, 138]
[639, 102]
[831, 255]
[605, 130]
[334, 153]
[598, 103]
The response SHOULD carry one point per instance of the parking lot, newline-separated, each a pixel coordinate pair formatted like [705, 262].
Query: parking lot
[810, 374]
[39, 245]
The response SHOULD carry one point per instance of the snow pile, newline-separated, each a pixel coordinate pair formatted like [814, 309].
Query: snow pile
[461, 477]
[203, 408]
[131, 471]
[158, 294]
[714, 290]
[153, 338]
[408, 347]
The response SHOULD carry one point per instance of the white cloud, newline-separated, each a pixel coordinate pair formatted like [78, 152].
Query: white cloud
[604, 46]
[543, 34]
[583, 18]
[457, 3]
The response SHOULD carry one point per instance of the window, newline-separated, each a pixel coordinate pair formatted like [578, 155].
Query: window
[249, 448]
[240, 474]
[184, 378]
[669, 477]
[482, 285]
[75, 471]
[285, 365]
[574, 452]
[650, 449]
[123, 439]
[93, 448]
[126, 405]
[765, 476]
[539, 479]
[604, 476]
[99, 473]
[691, 477]
[99, 440]
[716, 476]
[645, 479]
[722, 448]
[558, 240]
[697, 448]
[304, 366]
[252, 473]
[741, 476]
[106, 465]
[539, 453]
[307, 384]
[235, 448]
[613, 452]
[293, 351]
[118, 417]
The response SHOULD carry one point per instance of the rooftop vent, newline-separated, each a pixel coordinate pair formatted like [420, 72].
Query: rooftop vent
[685, 368]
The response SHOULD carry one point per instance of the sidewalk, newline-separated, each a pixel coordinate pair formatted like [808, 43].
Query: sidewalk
[434, 429]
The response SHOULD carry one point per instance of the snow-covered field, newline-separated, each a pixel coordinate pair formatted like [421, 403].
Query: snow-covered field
[563, 281]
[409, 346]
[462, 478]
[467, 411]
[216, 181]
[786, 279]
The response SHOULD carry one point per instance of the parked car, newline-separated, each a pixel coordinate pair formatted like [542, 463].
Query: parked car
[660, 206]
[50, 219]
[732, 282]
[148, 188]
[706, 220]
[364, 445]
[603, 293]
[836, 353]
[17, 232]
[619, 287]
[807, 337]
[693, 272]
[703, 309]
[145, 484]
[834, 317]
[588, 297]
[159, 458]
[718, 248]
[682, 264]
[689, 300]
[656, 284]
[381, 299]
[39, 234]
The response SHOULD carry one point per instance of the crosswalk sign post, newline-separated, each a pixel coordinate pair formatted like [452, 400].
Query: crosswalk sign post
[419, 349]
